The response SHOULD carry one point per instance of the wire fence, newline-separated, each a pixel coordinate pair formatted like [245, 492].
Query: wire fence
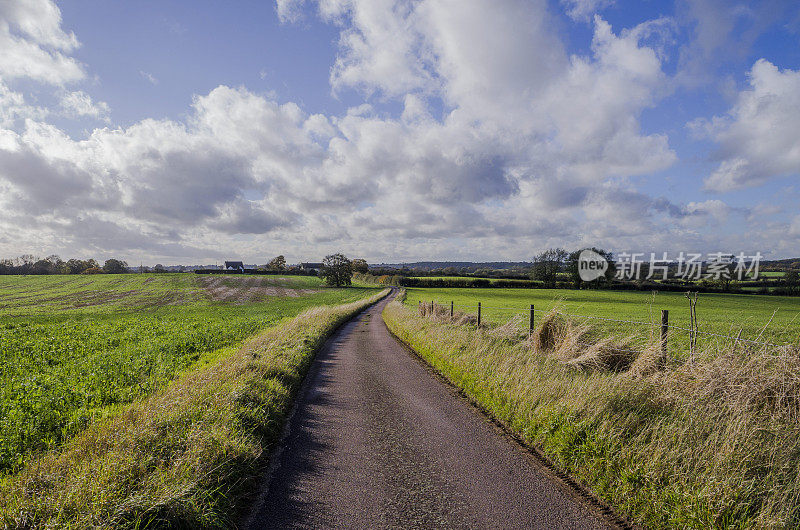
[626, 334]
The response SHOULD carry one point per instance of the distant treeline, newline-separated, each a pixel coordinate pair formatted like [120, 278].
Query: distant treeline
[505, 274]
[29, 264]
[468, 283]
[776, 287]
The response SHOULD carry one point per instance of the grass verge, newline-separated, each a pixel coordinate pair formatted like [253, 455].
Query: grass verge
[708, 444]
[184, 456]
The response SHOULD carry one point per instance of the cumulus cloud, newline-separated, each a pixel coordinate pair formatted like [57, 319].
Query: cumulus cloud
[78, 104]
[34, 45]
[713, 207]
[529, 146]
[13, 108]
[584, 9]
[759, 137]
[526, 126]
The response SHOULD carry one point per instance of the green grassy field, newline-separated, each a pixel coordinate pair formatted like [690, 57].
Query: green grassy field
[74, 349]
[723, 314]
[771, 274]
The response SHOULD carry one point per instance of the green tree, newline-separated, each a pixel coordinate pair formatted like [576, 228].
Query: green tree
[721, 270]
[360, 265]
[792, 280]
[278, 263]
[337, 270]
[77, 266]
[42, 266]
[115, 266]
[547, 265]
[574, 271]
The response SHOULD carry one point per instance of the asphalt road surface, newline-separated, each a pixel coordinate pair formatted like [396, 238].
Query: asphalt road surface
[378, 441]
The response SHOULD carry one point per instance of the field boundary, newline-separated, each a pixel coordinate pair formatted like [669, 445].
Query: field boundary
[662, 328]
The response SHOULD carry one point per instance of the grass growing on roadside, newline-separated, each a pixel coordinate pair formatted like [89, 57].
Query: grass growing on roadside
[709, 444]
[185, 455]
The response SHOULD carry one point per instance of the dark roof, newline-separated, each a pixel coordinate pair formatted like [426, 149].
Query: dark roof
[311, 265]
[234, 265]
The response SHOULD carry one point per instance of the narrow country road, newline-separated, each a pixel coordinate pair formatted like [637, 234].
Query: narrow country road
[377, 441]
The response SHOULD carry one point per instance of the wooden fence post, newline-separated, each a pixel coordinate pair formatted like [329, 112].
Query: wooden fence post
[479, 314]
[664, 330]
[531, 324]
[431, 307]
[451, 309]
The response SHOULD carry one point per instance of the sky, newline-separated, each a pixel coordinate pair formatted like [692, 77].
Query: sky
[394, 130]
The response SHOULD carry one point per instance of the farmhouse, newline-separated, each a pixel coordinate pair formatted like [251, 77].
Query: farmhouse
[234, 266]
[311, 266]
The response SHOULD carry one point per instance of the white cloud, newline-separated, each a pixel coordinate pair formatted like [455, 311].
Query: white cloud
[150, 77]
[289, 10]
[700, 214]
[14, 108]
[714, 207]
[34, 45]
[585, 9]
[382, 48]
[533, 148]
[78, 104]
[760, 136]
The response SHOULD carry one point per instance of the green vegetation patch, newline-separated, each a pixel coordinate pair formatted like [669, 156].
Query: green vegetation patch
[189, 454]
[724, 314]
[61, 368]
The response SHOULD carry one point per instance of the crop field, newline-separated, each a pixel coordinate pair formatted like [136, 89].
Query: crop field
[76, 348]
[774, 319]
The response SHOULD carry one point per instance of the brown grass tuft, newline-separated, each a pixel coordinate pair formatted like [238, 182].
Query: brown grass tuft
[746, 380]
[607, 354]
[550, 332]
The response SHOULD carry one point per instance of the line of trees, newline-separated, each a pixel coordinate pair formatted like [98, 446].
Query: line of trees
[547, 266]
[53, 264]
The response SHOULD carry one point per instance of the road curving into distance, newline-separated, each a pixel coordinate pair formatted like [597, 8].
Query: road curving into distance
[378, 441]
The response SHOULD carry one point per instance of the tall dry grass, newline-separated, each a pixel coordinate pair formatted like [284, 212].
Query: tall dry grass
[184, 457]
[713, 443]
